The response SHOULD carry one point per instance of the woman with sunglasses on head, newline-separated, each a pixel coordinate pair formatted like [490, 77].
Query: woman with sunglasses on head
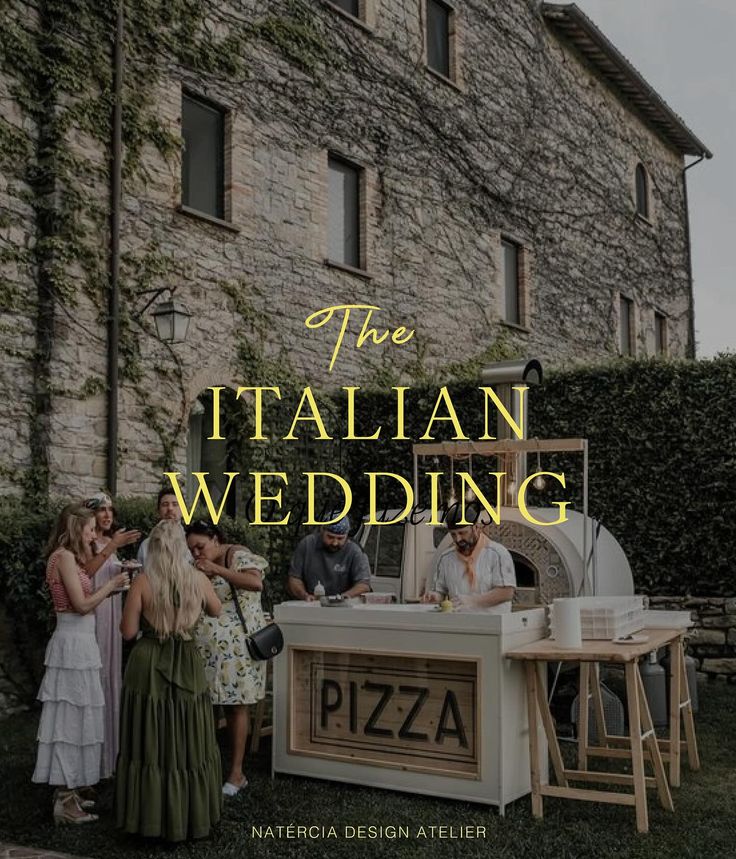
[168, 778]
[235, 679]
[71, 730]
[104, 565]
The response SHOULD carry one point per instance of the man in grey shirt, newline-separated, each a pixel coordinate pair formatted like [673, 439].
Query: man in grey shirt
[328, 557]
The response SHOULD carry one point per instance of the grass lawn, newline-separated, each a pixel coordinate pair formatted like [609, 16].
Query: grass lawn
[704, 823]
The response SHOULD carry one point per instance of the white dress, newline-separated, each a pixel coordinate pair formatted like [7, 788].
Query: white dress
[72, 727]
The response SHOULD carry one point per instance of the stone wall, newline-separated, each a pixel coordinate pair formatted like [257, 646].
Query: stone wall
[18, 291]
[712, 641]
[528, 144]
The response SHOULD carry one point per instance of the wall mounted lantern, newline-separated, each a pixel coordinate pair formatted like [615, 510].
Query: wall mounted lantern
[172, 320]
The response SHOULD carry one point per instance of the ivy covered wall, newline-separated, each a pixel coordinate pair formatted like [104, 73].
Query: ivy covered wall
[530, 143]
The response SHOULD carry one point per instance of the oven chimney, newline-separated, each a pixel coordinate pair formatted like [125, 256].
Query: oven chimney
[502, 376]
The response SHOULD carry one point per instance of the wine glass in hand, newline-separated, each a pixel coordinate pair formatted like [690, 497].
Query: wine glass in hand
[121, 581]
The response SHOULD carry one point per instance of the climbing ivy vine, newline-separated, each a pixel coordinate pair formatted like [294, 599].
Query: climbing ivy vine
[57, 56]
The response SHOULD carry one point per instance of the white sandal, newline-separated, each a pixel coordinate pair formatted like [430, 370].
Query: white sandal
[84, 804]
[230, 789]
[68, 810]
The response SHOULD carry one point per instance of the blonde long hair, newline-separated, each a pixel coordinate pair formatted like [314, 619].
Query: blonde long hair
[177, 593]
[67, 533]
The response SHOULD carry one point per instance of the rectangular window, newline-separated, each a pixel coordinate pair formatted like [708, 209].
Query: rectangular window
[642, 191]
[511, 280]
[203, 159]
[345, 204]
[438, 37]
[352, 7]
[660, 334]
[626, 325]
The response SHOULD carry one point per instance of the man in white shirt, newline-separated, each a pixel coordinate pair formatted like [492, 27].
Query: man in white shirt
[167, 507]
[476, 572]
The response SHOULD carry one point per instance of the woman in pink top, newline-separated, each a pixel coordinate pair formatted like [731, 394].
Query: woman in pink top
[71, 730]
[104, 566]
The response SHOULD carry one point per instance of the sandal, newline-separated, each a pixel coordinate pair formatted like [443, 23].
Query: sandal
[86, 804]
[88, 794]
[68, 810]
[230, 789]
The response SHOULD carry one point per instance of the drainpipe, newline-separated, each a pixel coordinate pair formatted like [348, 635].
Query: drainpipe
[691, 296]
[113, 316]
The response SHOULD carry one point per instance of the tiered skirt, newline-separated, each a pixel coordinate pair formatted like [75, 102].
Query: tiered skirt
[168, 781]
[72, 727]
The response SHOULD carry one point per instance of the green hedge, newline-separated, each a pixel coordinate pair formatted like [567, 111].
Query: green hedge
[662, 442]
[27, 612]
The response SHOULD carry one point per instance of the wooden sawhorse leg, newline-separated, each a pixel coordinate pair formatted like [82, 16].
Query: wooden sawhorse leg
[590, 690]
[681, 713]
[530, 673]
[640, 717]
[583, 702]
[536, 702]
[650, 738]
[637, 751]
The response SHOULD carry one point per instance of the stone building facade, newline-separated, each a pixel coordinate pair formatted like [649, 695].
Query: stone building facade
[520, 154]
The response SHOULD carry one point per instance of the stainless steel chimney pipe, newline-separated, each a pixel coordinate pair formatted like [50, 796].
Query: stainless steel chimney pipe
[502, 376]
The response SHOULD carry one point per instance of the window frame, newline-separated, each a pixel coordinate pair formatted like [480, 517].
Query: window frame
[523, 257]
[626, 301]
[365, 19]
[661, 334]
[361, 205]
[223, 167]
[452, 77]
[642, 192]
[383, 531]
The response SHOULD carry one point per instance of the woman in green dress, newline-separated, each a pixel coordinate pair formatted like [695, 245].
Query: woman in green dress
[168, 777]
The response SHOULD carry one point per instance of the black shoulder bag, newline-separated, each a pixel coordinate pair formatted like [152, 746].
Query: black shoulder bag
[268, 641]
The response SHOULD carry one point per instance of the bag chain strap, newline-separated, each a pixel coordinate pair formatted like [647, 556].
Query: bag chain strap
[234, 592]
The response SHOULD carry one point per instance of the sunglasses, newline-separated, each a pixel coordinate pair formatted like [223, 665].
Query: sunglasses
[200, 527]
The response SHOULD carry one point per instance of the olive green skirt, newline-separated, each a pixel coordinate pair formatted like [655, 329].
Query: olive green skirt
[168, 781]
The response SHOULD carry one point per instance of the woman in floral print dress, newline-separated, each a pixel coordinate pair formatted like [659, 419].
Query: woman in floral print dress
[235, 680]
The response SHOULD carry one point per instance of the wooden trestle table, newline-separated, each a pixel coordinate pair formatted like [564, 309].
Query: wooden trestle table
[641, 745]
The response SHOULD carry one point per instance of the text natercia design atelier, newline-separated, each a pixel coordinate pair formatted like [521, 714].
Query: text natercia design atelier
[367, 832]
[306, 420]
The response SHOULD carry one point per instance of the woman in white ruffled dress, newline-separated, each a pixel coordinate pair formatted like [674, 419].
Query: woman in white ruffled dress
[71, 730]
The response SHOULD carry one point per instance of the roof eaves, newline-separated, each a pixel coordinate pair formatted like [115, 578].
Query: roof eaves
[572, 23]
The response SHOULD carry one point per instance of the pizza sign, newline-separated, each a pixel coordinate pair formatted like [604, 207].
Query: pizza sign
[415, 713]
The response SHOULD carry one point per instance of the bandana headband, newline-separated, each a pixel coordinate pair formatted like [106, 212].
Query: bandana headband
[97, 501]
[342, 526]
